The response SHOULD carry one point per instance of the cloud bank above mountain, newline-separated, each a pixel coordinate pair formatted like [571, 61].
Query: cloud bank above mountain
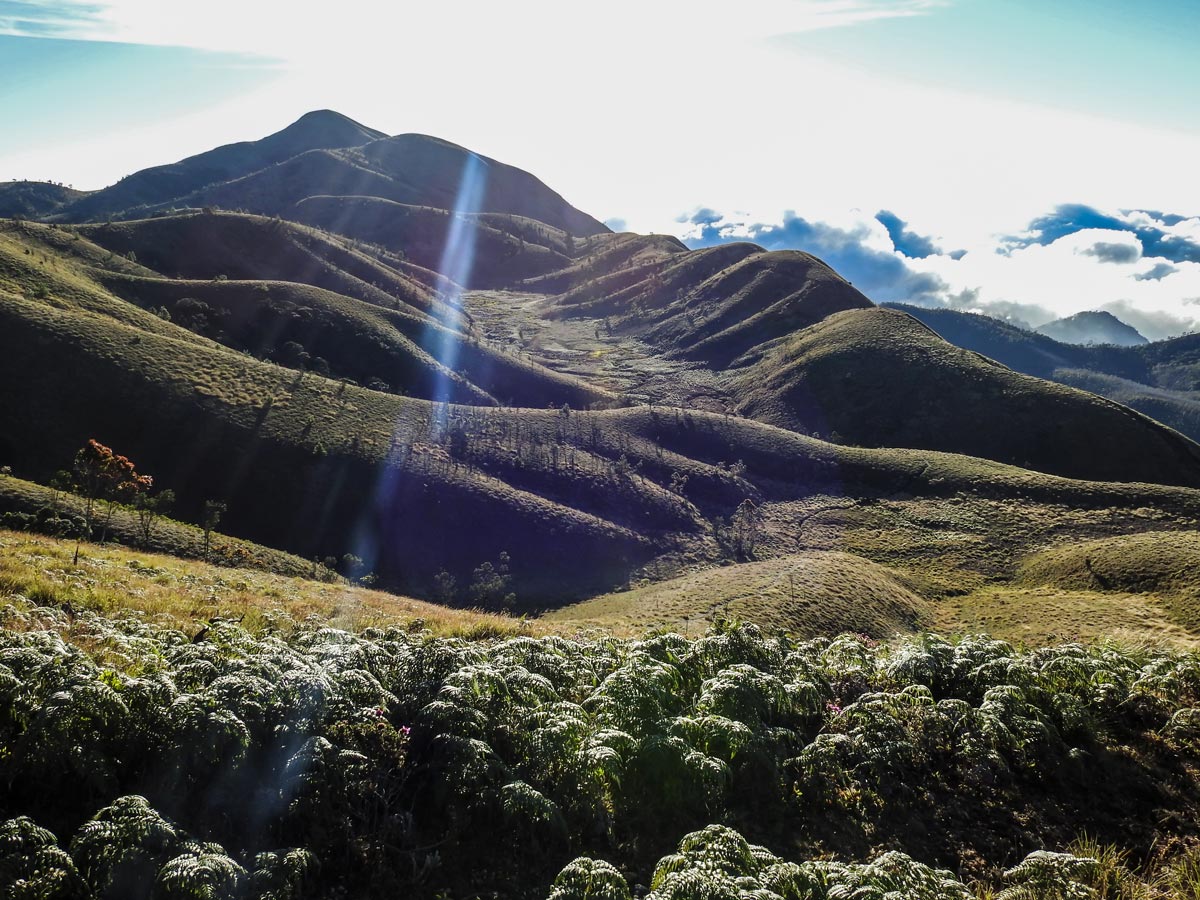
[1141, 265]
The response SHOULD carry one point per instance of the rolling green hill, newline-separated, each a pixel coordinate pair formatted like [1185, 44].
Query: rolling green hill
[395, 336]
[507, 249]
[1163, 564]
[877, 377]
[807, 594]
[1160, 379]
[243, 247]
[34, 199]
[718, 304]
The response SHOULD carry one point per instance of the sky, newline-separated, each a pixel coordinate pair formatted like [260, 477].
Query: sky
[1025, 158]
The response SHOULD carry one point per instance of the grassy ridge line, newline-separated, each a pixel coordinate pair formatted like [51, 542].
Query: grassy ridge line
[170, 536]
[1172, 364]
[360, 341]
[34, 198]
[407, 170]
[504, 253]
[1158, 379]
[246, 247]
[187, 593]
[60, 277]
[161, 184]
[74, 271]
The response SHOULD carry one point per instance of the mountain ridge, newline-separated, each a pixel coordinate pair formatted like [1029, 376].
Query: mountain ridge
[1093, 327]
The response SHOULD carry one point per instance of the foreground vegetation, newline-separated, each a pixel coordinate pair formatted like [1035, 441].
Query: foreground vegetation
[301, 760]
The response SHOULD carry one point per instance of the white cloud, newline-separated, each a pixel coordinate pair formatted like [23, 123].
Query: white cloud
[290, 30]
[638, 110]
[1085, 269]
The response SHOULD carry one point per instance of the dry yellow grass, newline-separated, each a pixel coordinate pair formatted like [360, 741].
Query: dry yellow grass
[187, 593]
[1036, 616]
[805, 594]
[1162, 565]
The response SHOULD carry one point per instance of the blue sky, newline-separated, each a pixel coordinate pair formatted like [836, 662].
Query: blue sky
[1133, 61]
[796, 122]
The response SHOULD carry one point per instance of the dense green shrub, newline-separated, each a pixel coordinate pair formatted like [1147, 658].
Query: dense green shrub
[396, 762]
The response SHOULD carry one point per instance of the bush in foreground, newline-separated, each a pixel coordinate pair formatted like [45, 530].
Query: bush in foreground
[395, 761]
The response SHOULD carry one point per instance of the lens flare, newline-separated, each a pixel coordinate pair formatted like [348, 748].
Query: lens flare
[443, 340]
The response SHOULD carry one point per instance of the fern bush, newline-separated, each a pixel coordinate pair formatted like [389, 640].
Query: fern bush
[304, 761]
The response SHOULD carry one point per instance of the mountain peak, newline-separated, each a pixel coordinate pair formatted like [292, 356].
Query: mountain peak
[1093, 327]
[326, 129]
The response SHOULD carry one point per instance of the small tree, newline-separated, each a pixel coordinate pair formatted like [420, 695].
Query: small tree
[213, 510]
[150, 508]
[745, 526]
[60, 483]
[445, 587]
[99, 475]
[489, 587]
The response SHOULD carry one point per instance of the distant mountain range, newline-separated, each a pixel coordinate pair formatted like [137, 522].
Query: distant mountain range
[397, 348]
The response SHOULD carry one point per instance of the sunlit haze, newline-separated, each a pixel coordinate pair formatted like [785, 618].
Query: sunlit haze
[1013, 150]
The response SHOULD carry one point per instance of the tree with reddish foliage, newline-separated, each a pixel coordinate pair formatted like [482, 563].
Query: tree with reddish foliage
[101, 476]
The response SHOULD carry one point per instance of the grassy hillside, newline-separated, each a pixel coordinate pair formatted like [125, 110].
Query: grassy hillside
[719, 308]
[432, 172]
[878, 377]
[317, 467]
[33, 199]
[604, 254]
[321, 468]
[1159, 379]
[36, 507]
[718, 304]
[807, 594]
[189, 594]
[505, 249]
[243, 247]
[394, 338]
[1165, 565]
[413, 170]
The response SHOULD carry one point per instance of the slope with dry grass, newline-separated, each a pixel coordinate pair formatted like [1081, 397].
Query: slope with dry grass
[186, 594]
